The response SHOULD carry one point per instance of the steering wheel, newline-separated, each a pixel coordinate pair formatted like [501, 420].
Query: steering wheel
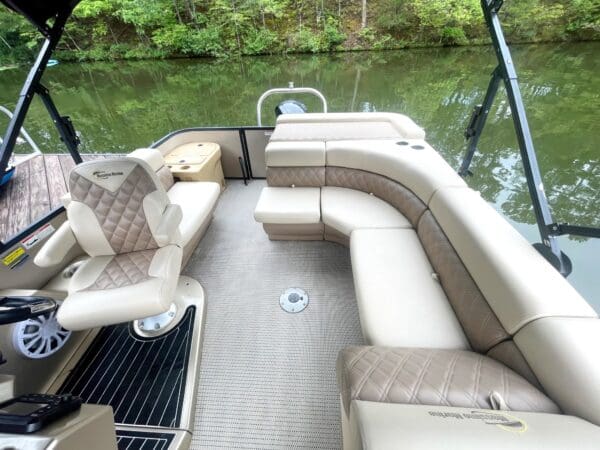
[19, 308]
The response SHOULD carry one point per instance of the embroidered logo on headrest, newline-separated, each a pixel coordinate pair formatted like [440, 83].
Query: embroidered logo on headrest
[101, 174]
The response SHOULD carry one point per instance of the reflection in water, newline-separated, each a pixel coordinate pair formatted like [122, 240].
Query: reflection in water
[123, 105]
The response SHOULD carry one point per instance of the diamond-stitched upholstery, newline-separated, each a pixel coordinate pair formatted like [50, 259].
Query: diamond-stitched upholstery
[120, 214]
[166, 177]
[480, 324]
[434, 377]
[391, 191]
[297, 176]
[124, 270]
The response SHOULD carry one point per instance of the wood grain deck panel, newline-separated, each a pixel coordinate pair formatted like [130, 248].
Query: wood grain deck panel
[35, 190]
[38, 187]
[57, 186]
[18, 200]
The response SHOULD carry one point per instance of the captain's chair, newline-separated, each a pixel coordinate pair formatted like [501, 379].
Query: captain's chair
[120, 215]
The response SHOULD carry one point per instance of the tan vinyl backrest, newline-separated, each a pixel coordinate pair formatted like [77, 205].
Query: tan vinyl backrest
[116, 206]
[565, 356]
[517, 282]
[155, 160]
[345, 126]
[412, 163]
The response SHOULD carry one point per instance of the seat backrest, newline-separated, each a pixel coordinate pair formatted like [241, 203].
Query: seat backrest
[155, 160]
[116, 206]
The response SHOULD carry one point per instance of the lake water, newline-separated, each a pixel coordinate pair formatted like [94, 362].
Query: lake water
[123, 105]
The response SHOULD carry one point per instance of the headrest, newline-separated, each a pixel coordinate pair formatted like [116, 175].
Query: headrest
[152, 157]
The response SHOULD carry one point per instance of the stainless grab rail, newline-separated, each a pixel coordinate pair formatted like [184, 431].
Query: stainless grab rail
[26, 136]
[289, 90]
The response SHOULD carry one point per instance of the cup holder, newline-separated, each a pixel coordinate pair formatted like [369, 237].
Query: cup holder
[70, 270]
[185, 167]
[402, 143]
[417, 147]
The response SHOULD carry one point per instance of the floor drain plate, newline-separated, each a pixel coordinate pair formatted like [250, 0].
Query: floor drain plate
[293, 300]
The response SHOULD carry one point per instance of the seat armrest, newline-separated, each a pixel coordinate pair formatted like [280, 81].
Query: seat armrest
[57, 247]
[167, 231]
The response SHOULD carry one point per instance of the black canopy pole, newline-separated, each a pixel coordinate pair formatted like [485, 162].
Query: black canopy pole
[30, 87]
[506, 72]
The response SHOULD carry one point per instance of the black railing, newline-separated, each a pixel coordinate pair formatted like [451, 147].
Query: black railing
[505, 72]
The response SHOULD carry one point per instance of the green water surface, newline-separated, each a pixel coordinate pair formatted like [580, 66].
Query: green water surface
[123, 105]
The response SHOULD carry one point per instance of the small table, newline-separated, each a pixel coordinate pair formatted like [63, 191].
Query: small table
[196, 161]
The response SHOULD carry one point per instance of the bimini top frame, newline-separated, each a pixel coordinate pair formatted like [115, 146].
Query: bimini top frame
[506, 72]
[39, 13]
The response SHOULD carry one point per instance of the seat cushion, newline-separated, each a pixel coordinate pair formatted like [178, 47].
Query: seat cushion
[113, 289]
[516, 280]
[348, 209]
[197, 200]
[400, 302]
[286, 205]
[437, 378]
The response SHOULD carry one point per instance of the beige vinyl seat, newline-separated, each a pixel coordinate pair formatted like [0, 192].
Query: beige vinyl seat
[197, 199]
[468, 329]
[120, 215]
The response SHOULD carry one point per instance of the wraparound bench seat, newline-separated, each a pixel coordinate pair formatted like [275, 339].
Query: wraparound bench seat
[400, 303]
[459, 308]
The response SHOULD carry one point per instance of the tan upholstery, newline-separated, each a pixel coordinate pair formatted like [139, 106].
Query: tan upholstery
[509, 354]
[57, 247]
[280, 205]
[517, 282]
[336, 126]
[421, 171]
[197, 200]
[391, 191]
[295, 154]
[476, 317]
[155, 160]
[399, 301]
[121, 216]
[386, 426]
[294, 232]
[296, 176]
[348, 209]
[114, 289]
[462, 312]
[565, 355]
[434, 377]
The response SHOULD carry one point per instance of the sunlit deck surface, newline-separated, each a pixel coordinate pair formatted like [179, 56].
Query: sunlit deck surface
[35, 190]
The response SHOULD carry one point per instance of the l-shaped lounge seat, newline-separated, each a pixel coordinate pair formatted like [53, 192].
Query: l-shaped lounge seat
[456, 307]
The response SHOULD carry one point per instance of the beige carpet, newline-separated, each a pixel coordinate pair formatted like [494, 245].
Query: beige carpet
[267, 377]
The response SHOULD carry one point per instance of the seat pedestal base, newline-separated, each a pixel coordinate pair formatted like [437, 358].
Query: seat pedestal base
[157, 325]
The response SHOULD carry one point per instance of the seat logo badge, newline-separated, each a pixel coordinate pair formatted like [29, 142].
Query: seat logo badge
[502, 420]
[102, 175]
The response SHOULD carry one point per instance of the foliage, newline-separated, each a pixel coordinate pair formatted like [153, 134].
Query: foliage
[132, 29]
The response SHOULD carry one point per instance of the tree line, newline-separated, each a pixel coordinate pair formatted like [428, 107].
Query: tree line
[136, 29]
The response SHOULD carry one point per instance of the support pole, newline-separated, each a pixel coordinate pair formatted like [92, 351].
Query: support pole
[63, 124]
[549, 230]
[478, 121]
[30, 87]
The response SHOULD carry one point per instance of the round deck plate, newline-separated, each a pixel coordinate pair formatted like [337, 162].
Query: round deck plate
[293, 300]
